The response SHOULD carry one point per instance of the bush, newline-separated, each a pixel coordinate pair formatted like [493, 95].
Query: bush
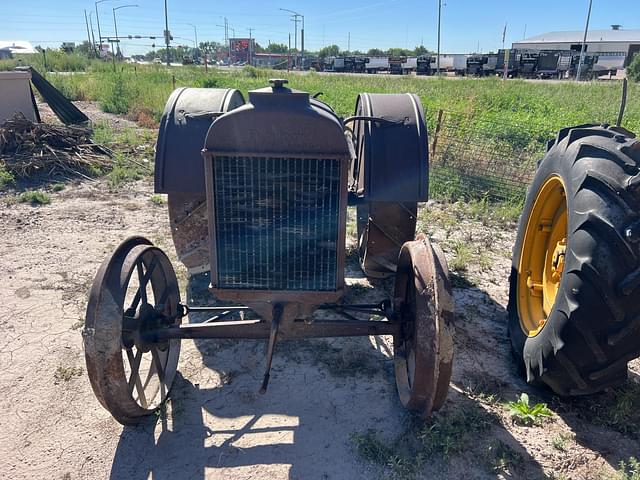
[35, 197]
[633, 70]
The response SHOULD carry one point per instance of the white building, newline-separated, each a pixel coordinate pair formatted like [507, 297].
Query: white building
[598, 41]
[17, 46]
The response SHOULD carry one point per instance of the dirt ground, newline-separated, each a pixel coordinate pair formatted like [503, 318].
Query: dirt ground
[322, 394]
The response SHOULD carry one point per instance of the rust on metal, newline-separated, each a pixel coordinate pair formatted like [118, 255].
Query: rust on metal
[265, 211]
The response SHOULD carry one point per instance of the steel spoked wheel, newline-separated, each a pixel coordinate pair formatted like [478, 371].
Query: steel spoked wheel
[135, 290]
[423, 353]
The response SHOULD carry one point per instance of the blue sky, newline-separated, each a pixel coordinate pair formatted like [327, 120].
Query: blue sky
[382, 24]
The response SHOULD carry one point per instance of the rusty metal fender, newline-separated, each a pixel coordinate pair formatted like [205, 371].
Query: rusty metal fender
[392, 163]
[185, 122]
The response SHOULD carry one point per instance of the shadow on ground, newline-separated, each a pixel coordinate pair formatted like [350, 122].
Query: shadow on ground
[330, 404]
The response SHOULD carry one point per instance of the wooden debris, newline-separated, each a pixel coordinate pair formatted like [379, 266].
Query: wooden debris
[28, 149]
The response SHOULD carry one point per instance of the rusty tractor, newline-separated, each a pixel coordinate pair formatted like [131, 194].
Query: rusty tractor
[258, 195]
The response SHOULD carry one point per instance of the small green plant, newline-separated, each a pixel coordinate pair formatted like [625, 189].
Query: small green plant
[560, 442]
[6, 178]
[35, 197]
[65, 374]
[628, 470]
[524, 414]
[463, 256]
[124, 171]
[157, 199]
[501, 458]
[57, 187]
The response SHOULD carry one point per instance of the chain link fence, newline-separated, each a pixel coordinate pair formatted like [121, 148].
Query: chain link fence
[472, 158]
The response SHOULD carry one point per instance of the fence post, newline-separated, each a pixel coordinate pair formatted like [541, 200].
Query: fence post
[435, 135]
[173, 79]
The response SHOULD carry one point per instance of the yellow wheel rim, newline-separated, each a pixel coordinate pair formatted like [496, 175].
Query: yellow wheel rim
[542, 256]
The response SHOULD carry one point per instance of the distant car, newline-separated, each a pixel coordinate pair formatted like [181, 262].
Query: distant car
[157, 60]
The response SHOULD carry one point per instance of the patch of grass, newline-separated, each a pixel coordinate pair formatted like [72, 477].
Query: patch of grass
[524, 414]
[6, 178]
[370, 447]
[629, 470]
[65, 374]
[125, 170]
[463, 256]
[501, 458]
[35, 197]
[618, 408]
[157, 199]
[561, 442]
[57, 187]
[439, 438]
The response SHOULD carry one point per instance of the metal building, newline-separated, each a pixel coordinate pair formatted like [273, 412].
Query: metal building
[616, 40]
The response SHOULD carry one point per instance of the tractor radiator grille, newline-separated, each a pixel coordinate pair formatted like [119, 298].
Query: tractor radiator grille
[276, 222]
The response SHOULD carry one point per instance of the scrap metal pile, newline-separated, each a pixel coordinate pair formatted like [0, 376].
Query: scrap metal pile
[29, 148]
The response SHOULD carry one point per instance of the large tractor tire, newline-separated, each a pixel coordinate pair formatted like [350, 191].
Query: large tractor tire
[574, 309]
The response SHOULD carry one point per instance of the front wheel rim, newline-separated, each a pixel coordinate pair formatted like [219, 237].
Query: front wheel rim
[542, 256]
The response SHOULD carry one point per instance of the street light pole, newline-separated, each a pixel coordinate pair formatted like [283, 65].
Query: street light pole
[115, 24]
[439, 17]
[295, 16]
[584, 44]
[250, 49]
[167, 35]
[98, 20]
[195, 33]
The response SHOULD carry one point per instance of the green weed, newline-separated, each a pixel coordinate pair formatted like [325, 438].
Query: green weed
[524, 414]
[57, 187]
[561, 442]
[157, 199]
[35, 197]
[628, 470]
[463, 256]
[6, 178]
[65, 374]
[501, 458]
[440, 437]
[617, 408]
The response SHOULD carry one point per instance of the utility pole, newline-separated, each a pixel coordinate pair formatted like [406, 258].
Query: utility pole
[349, 42]
[584, 43]
[86, 21]
[93, 37]
[289, 59]
[250, 49]
[167, 35]
[439, 18]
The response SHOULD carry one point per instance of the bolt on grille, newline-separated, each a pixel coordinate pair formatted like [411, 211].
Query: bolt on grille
[276, 222]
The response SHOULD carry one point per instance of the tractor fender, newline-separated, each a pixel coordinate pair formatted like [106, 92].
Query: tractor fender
[392, 163]
[187, 116]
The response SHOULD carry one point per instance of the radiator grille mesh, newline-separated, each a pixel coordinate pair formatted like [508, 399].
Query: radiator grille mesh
[276, 222]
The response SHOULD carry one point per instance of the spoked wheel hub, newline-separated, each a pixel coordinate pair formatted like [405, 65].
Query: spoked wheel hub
[423, 352]
[134, 292]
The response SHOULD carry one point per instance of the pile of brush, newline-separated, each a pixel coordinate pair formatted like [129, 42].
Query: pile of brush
[28, 149]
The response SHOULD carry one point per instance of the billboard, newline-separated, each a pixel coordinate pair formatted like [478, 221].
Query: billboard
[241, 48]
